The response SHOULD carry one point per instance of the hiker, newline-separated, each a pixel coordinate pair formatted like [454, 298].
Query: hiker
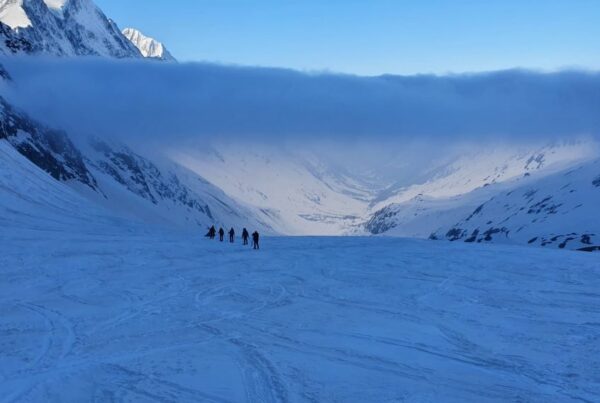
[245, 236]
[231, 235]
[212, 231]
[255, 237]
[221, 234]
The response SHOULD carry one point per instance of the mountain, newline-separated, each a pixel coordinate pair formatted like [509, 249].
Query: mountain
[301, 192]
[542, 195]
[532, 195]
[60, 28]
[49, 149]
[157, 191]
[149, 47]
[114, 178]
[560, 210]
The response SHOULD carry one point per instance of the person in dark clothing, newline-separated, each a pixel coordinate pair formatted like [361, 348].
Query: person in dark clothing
[245, 236]
[221, 234]
[212, 231]
[255, 238]
[231, 235]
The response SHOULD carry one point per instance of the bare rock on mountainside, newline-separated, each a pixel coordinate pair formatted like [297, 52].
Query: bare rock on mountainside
[49, 149]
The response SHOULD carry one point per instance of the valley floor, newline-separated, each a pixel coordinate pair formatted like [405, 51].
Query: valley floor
[140, 316]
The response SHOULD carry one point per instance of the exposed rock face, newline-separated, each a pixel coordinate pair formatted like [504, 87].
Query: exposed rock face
[143, 178]
[49, 149]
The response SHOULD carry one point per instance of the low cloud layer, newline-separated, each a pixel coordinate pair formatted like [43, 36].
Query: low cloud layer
[147, 100]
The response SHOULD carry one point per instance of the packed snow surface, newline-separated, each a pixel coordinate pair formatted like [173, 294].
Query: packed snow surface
[106, 314]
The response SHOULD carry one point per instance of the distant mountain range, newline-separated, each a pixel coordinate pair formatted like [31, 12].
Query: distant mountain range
[544, 196]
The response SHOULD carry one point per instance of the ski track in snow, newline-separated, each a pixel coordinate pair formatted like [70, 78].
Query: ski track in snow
[141, 316]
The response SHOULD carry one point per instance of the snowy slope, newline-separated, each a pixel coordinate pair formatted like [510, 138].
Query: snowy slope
[161, 192]
[51, 150]
[560, 210]
[456, 191]
[301, 192]
[308, 195]
[32, 199]
[60, 28]
[124, 182]
[149, 47]
[488, 165]
[94, 307]
[101, 312]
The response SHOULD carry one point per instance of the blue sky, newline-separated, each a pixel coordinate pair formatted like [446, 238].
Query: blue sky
[372, 37]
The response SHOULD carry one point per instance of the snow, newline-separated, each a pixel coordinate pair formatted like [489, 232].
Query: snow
[149, 47]
[64, 28]
[308, 195]
[57, 7]
[94, 308]
[13, 14]
[556, 210]
[494, 164]
[450, 194]
[300, 191]
[55, 4]
[172, 317]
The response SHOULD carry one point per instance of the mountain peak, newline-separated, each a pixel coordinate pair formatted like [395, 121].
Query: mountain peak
[13, 14]
[149, 47]
[60, 28]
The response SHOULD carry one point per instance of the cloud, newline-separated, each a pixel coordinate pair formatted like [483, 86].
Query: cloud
[149, 100]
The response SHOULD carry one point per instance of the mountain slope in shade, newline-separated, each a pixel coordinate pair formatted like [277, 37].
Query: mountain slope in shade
[156, 191]
[60, 28]
[149, 47]
[49, 149]
[113, 177]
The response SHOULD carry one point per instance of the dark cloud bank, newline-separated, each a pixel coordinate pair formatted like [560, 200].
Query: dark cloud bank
[167, 101]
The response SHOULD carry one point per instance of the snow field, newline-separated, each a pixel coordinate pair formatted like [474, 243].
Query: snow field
[132, 315]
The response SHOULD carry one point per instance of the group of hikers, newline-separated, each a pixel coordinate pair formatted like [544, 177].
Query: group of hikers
[212, 233]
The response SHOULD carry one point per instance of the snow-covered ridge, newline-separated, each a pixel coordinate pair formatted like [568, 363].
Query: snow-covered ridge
[13, 14]
[559, 210]
[60, 28]
[149, 47]
[544, 196]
